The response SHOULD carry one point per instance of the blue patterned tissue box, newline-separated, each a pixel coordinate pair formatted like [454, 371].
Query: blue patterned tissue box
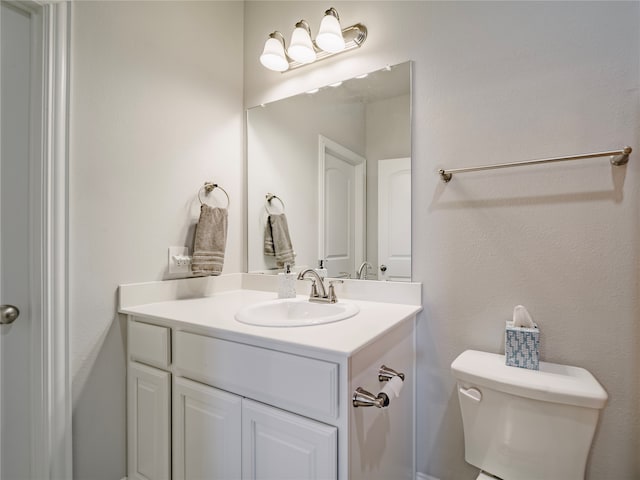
[521, 346]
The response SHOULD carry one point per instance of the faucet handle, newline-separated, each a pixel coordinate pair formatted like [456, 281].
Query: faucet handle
[332, 291]
[314, 287]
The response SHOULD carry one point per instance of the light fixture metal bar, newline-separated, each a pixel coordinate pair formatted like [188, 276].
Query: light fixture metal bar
[354, 36]
[618, 157]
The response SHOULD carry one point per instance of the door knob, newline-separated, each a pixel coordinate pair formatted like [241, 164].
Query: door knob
[8, 314]
[383, 268]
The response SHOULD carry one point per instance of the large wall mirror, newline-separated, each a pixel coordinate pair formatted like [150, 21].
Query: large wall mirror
[337, 163]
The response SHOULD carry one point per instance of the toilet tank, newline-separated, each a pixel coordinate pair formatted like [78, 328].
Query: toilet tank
[527, 424]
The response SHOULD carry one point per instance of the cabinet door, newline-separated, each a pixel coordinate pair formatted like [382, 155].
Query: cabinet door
[149, 395]
[278, 445]
[207, 426]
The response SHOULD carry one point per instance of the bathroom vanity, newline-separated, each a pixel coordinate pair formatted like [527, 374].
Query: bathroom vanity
[210, 397]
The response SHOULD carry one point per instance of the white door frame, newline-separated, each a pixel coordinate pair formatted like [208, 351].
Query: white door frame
[360, 163]
[48, 248]
[57, 451]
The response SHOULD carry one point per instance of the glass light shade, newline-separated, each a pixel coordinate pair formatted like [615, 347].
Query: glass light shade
[330, 37]
[273, 56]
[300, 47]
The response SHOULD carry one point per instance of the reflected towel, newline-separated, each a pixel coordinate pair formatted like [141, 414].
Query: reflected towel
[277, 242]
[210, 241]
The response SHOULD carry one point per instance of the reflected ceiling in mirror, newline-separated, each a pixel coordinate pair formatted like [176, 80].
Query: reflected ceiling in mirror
[339, 162]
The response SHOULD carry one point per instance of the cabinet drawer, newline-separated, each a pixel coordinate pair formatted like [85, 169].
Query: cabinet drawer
[149, 344]
[298, 384]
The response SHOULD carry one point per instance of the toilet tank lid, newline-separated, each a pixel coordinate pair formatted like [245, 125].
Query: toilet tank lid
[552, 383]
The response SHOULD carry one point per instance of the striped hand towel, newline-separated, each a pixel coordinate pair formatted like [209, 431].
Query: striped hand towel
[277, 242]
[210, 241]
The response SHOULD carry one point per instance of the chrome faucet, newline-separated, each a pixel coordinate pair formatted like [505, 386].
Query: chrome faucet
[363, 270]
[318, 291]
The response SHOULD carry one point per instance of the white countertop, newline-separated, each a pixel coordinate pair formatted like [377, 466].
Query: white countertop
[214, 315]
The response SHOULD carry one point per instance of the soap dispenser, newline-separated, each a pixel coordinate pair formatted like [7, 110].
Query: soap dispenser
[287, 283]
[322, 269]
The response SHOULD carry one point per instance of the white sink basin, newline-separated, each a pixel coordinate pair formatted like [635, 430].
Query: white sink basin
[293, 312]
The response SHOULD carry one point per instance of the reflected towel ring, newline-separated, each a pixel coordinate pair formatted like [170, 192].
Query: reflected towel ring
[208, 188]
[270, 197]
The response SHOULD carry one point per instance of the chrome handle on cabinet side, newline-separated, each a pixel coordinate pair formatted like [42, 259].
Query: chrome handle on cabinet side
[8, 314]
[383, 268]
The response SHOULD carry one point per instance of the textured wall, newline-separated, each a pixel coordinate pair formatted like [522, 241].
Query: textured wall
[156, 110]
[497, 82]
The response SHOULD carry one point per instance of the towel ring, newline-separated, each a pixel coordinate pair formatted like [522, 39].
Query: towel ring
[208, 188]
[270, 197]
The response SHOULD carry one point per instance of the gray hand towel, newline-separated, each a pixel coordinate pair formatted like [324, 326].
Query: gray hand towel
[277, 242]
[210, 241]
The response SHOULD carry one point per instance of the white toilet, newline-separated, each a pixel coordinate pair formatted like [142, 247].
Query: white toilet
[524, 424]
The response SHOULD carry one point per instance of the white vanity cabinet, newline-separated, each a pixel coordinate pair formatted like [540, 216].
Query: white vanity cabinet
[222, 435]
[229, 404]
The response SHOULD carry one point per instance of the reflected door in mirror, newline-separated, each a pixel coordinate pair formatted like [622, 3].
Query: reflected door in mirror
[394, 219]
[342, 202]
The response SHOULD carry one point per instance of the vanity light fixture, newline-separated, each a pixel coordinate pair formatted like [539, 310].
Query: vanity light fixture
[331, 40]
[273, 56]
[330, 37]
[300, 48]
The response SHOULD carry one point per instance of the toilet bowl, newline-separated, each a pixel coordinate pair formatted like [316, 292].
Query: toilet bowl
[524, 424]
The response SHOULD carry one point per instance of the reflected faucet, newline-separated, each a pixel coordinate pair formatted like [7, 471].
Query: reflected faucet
[363, 270]
[318, 284]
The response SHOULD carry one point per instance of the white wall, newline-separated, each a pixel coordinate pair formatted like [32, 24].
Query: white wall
[500, 82]
[156, 110]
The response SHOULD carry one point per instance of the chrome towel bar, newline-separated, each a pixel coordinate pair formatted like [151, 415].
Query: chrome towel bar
[618, 158]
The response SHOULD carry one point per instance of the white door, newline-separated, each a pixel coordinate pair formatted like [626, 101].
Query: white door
[35, 406]
[278, 445]
[15, 338]
[394, 219]
[207, 426]
[342, 207]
